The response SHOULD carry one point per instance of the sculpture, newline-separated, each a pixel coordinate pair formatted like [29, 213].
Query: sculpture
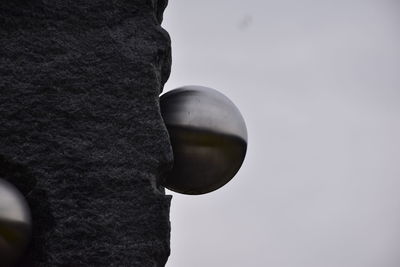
[15, 224]
[208, 137]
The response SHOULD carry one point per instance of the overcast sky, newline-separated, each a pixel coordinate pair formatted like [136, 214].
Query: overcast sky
[318, 83]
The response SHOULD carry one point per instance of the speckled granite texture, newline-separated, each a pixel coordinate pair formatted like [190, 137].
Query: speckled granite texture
[80, 129]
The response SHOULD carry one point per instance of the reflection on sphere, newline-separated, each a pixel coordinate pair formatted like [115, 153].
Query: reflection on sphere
[15, 224]
[208, 137]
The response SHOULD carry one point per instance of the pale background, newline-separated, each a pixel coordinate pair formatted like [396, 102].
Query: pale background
[318, 83]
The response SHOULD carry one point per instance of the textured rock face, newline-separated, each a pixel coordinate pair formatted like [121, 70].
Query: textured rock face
[80, 129]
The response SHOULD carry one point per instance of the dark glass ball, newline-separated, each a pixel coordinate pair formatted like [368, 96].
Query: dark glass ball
[208, 137]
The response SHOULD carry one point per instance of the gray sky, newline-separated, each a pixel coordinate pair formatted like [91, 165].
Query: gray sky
[318, 83]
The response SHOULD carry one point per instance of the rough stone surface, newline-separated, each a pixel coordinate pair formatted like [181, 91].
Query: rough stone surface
[80, 129]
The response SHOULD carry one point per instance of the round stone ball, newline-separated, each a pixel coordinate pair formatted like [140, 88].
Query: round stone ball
[15, 224]
[208, 138]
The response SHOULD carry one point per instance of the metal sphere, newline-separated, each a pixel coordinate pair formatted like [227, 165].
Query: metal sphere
[208, 137]
[15, 224]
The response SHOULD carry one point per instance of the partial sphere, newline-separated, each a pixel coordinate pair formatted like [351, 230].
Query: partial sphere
[15, 224]
[208, 137]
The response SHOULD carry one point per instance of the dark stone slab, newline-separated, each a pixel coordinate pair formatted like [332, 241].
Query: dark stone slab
[80, 128]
